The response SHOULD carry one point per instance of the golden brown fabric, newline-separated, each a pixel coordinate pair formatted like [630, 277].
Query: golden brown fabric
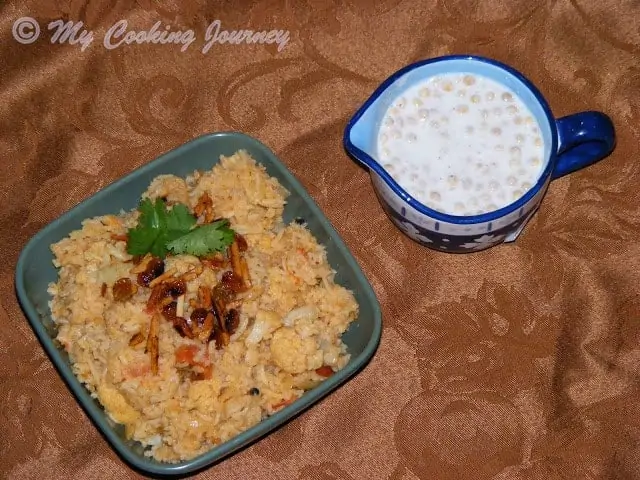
[521, 362]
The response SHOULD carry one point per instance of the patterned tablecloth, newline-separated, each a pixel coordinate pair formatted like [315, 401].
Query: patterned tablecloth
[521, 362]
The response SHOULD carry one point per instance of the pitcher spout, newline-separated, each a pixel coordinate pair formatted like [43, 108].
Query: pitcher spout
[360, 135]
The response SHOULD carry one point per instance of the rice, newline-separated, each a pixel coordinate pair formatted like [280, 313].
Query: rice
[288, 335]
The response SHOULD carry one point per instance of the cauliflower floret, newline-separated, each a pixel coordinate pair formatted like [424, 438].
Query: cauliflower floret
[117, 405]
[304, 320]
[294, 354]
[173, 188]
[265, 324]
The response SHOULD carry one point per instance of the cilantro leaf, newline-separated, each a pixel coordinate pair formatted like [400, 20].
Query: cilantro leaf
[158, 226]
[204, 239]
[161, 231]
[142, 239]
[179, 219]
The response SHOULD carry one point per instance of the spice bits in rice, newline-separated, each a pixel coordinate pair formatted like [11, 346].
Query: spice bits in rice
[189, 351]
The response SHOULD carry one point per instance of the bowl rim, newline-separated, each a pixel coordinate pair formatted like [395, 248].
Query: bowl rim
[97, 414]
[402, 194]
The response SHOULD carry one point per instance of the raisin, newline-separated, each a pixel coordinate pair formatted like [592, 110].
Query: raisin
[123, 289]
[202, 323]
[137, 339]
[198, 315]
[232, 282]
[176, 287]
[154, 269]
[169, 311]
[183, 327]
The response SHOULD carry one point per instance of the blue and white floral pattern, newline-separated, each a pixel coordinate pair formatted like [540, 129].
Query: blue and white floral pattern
[413, 233]
[483, 242]
[471, 242]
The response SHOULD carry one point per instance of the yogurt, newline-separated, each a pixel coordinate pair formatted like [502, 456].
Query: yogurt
[461, 144]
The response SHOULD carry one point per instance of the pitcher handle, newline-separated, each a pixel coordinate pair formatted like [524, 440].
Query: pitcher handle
[583, 139]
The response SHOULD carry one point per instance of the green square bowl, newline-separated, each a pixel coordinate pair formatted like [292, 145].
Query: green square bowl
[35, 271]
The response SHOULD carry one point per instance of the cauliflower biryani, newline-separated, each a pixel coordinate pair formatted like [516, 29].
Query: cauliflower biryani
[199, 313]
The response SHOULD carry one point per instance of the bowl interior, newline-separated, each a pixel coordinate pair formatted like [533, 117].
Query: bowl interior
[35, 271]
[364, 131]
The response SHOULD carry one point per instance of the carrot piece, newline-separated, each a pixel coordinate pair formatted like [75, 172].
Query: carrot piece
[135, 371]
[324, 371]
[119, 237]
[283, 403]
[186, 354]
